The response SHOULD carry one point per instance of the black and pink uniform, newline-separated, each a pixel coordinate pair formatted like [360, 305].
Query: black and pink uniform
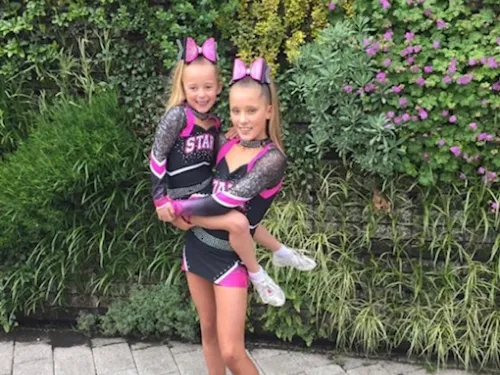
[250, 188]
[182, 156]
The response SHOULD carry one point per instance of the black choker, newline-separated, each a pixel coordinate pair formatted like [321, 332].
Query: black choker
[255, 143]
[199, 115]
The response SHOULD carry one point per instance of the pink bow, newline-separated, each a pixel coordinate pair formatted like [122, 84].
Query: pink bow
[208, 50]
[258, 71]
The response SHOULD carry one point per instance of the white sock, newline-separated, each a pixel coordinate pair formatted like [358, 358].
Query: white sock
[283, 252]
[257, 277]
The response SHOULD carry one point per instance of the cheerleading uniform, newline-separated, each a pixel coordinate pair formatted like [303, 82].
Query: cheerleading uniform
[250, 188]
[182, 156]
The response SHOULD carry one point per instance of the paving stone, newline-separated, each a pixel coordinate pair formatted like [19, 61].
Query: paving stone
[6, 357]
[114, 359]
[74, 360]
[349, 363]
[261, 353]
[29, 352]
[397, 368]
[191, 362]
[153, 359]
[103, 341]
[368, 370]
[452, 372]
[326, 370]
[181, 347]
[287, 363]
[311, 360]
[36, 367]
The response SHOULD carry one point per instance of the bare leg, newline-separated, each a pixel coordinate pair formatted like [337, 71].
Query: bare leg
[231, 313]
[236, 224]
[266, 239]
[202, 292]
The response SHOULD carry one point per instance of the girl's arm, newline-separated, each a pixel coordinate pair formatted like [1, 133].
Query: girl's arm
[267, 172]
[168, 130]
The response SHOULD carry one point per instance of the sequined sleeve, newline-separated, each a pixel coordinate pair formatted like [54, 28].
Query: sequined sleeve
[221, 141]
[265, 177]
[169, 127]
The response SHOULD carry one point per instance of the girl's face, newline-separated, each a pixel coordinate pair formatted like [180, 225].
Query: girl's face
[201, 85]
[249, 112]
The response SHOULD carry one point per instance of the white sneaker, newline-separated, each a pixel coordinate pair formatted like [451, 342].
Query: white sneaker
[296, 260]
[269, 291]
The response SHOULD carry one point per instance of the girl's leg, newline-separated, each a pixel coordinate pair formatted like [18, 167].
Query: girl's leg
[236, 224]
[282, 255]
[231, 313]
[202, 292]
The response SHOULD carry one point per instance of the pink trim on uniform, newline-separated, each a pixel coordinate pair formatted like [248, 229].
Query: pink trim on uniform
[225, 149]
[227, 200]
[190, 121]
[184, 265]
[156, 167]
[271, 192]
[237, 278]
[159, 203]
[257, 157]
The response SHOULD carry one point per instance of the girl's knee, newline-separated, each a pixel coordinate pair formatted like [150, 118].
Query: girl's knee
[232, 354]
[237, 222]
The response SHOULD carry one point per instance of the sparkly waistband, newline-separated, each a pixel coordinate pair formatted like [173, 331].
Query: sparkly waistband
[210, 240]
[186, 191]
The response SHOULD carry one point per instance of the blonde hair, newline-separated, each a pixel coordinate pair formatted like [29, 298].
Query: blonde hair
[271, 95]
[177, 94]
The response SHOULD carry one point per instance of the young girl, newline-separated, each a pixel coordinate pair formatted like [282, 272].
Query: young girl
[182, 160]
[249, 170]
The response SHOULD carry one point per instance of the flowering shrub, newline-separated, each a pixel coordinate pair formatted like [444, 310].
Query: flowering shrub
[438, 83]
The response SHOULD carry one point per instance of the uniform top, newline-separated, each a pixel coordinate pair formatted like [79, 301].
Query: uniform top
[182, 156]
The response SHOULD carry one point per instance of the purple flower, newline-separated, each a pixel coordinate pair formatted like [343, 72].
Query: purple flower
[420, 81]
[445, 113]
[369, 87]
[481, 170]
[452, 119]
[495, 87]
[347, 88]
[331, 5]
[366, 42]
[436, 44]
[465, 80]
[428, 12]
[483, 60]
[423, 114]
[472, 62]
[371, 51]
[455, 150]
[388, 34]
[440, 24]
[381, 77]
[428, 69]
[492, 63]
[414, 118]
[406, 117]
[491, 176]
[447, 80]
[410, 60]
[387, 62]
[489, 138]
[417, 48]
[385, 4]
[494, 206]
[415, 69]
[441, 142]
[481, 137]
[397, 89]
[397, 120]
[409, 36]
[403, 102]
[390, 114]
[452, 68]
[473, 126]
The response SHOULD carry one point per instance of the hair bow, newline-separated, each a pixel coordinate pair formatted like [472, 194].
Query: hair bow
[189, 50]
[258, 71]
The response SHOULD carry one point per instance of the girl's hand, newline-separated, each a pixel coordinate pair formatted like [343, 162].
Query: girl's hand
[166, 213]
[231, 133]
[182, 224]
